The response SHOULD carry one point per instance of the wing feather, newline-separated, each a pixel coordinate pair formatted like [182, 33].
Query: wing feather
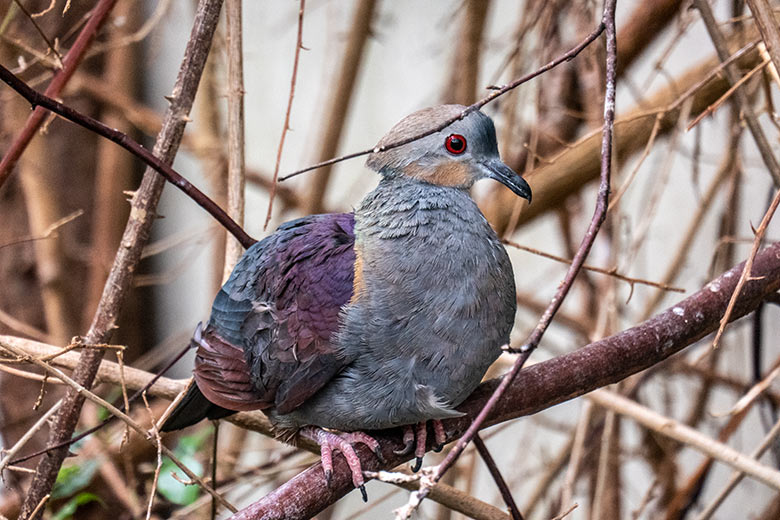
[268, 342]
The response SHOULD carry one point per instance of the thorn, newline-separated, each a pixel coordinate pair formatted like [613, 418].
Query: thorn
[417, 464]
[363, 492]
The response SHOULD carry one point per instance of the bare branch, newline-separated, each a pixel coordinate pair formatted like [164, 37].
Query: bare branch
[69, 65]
[135, 236]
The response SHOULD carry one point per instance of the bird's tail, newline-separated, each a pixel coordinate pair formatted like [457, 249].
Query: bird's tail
[192, 409]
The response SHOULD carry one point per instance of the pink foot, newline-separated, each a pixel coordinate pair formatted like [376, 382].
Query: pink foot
[343, 442]
[415, 438]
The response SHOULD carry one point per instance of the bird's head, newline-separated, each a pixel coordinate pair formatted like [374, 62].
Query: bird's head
[459, 155]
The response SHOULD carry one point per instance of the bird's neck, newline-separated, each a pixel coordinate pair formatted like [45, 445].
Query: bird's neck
[400, 206]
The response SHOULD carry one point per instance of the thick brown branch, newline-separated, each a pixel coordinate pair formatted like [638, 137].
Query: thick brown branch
[551, 382]
[538, 387]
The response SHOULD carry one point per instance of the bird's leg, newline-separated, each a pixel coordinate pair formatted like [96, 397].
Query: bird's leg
[415, 438]
[343, 442]
[419, 450]
[440, 438]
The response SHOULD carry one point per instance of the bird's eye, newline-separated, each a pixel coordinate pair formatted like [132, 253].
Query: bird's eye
[455, 143]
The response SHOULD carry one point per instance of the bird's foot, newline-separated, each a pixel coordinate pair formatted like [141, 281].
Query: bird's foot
[343, 442]
[415, 438]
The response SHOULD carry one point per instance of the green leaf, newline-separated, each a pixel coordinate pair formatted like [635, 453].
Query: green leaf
[69, 509]
[71, 479]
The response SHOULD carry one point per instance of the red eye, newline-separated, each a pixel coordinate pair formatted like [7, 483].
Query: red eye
[455, 143]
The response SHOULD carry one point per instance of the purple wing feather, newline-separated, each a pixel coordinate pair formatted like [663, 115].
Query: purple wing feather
[268, 342]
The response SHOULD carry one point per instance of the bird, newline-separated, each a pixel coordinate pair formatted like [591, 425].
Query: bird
[387, 316]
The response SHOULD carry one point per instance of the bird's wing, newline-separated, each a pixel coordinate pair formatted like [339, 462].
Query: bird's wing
[268, 342]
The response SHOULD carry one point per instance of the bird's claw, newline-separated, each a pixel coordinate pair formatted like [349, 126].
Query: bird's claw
[343, 442]
[408, 441]
[415, 438]
[378, 453]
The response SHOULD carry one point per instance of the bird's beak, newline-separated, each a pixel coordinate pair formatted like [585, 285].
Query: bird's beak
[502, 173]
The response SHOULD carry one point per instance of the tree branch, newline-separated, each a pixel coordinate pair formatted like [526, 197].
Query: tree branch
[135, 237]
[69, 65]
[152, 158]
[548, 383]
[536, 388]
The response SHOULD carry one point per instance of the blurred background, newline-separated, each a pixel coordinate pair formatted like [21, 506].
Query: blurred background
[684, 202]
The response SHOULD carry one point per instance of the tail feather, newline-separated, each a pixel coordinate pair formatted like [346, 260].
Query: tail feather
[193, 408]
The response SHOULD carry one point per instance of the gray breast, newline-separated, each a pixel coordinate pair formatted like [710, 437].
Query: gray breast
[438, 303]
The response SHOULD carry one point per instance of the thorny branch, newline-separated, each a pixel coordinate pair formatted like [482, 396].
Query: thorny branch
[69, 65]
[135, 237]
[39, 100]
[286, 127]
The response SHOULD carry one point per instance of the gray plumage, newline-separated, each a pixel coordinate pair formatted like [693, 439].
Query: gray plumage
[438, 303]
[387, 317]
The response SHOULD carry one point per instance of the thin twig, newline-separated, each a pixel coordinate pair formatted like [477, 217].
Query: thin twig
[48, 232]
[158, 443]
[726, 95]
[740, 97]
[39, 100]
[748, 266]
[506, 493]
[609, 272]
[214, 449]
[128, 255]
[577, 454]
[42, 34]
[286, 127]
[499, 91]
[70, 63]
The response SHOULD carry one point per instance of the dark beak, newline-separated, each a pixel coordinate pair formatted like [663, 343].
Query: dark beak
[502, 173]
